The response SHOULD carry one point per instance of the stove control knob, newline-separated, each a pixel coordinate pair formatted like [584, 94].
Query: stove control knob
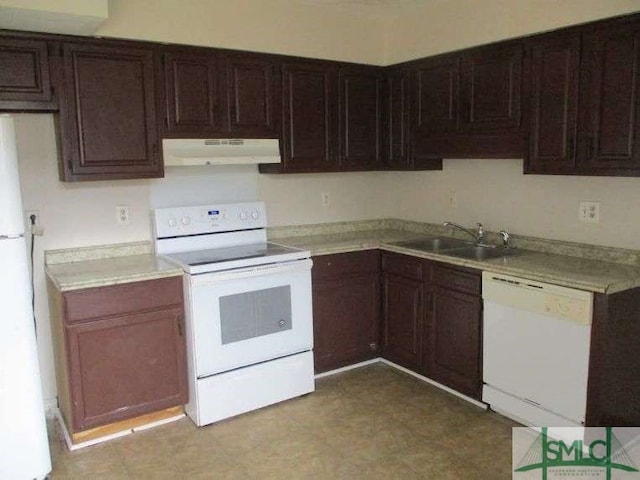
[255, 214]
[172, 222]
[243, 215]
[186, 220]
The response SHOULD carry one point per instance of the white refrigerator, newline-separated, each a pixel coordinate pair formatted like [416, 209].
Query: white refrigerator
[24, 449]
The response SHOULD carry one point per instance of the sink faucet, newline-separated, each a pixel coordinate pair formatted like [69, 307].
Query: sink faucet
[478, 236]
[505, 238]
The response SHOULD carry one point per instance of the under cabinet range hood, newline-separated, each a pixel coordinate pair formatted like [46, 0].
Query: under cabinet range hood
[220, 151]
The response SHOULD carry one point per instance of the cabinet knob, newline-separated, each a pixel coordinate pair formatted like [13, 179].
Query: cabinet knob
[281, 323]
[373, 346]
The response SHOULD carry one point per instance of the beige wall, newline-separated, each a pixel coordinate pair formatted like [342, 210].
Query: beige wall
[305, 28]
[494, 192]
[497, 194]
[436, 26]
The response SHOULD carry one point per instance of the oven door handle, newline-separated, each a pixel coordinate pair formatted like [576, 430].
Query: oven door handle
[254, 271]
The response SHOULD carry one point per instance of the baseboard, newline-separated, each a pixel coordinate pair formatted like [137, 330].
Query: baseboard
[347, 368]
[475, 402]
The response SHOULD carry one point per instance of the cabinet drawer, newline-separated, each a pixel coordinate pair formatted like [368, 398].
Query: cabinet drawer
[120, 299]
[456, 279]
[402, 265]
[342, 264]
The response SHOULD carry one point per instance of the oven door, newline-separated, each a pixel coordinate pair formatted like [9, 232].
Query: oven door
[247, 316]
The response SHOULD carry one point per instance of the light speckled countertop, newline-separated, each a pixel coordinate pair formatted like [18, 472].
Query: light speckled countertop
[586, 267]
[582, 273]
[84, 269]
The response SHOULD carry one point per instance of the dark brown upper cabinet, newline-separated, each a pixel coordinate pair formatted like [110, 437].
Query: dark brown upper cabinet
[309, 108]
[555, 63]
[107, 113]
[612, 100]
[584, 101]
[397, 153]
[192, 104]
[252, 84]
[436, 92]
[468, 104]
[395, 115]
[491, 89]
[24, 75]
[360, 117]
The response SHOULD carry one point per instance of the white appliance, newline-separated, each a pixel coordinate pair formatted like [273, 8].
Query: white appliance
[249, 325]
[220, 151]
[536, 350]
[24, 449]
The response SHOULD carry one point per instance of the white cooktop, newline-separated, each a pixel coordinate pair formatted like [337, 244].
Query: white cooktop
[209, 238]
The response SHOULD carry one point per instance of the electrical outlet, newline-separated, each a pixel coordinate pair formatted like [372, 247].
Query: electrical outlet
[122, 215]
[35, 213]
[589, 212]
[34, 226]
[325, 200]
[453, 199]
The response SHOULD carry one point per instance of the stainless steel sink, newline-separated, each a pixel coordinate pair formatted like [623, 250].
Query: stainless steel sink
[480, 252]
[454, 247]
[433, 244]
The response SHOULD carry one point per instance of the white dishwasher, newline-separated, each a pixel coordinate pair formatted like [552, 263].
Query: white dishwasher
[535, 350]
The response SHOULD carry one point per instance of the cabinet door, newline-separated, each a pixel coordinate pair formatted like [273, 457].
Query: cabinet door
[24, 74]
[346, 308]
[124, 366]
[403, 323]
[192, 94]
[435, 92]
[613, 99]
[491, 86]
[555, 67]
[395, 154]
[346, 319]
[107, 113]
[360, 118]
[453, 355]
[310, 114]
[251, 88]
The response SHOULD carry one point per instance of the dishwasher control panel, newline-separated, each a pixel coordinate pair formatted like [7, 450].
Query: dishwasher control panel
[569, 308]
[537, 297]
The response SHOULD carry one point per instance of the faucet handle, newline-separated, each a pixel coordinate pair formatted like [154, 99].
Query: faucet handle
[480, 235]
[505, 238]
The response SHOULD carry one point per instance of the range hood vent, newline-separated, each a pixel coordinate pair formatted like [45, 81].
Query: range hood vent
[220, 151]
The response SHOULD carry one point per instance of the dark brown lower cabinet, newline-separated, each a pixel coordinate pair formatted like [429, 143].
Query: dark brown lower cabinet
[432, 317]
[613, 390]
[402, 310]
[346, 308]
[453, 336]
[119, 350]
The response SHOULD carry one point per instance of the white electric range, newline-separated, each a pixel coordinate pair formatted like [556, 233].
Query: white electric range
[249, 326]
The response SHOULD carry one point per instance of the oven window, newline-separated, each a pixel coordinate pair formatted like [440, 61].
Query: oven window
[255, 314]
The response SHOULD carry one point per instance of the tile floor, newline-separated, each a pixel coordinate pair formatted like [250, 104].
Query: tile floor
[370, 423]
